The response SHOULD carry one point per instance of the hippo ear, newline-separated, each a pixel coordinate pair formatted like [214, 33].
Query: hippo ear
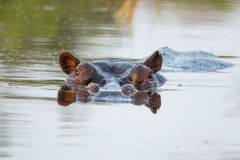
[68, 62]
[154, 62]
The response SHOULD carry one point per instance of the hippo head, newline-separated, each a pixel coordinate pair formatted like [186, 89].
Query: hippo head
[79, 73]
[143, 74]
[84, 73]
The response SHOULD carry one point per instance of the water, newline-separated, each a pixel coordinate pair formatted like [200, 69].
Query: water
[199, 114]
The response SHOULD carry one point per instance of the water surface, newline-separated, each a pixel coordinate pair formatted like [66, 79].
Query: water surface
[199, 114]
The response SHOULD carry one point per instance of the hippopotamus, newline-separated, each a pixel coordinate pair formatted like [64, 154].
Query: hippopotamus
[130, 76]
[124, 81]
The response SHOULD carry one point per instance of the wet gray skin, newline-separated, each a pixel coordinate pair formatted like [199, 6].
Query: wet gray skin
[191, 61]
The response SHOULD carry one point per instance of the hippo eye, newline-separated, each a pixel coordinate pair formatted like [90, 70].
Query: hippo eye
[150, 76]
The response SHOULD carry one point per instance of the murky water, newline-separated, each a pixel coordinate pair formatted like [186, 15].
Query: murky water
[199, 114]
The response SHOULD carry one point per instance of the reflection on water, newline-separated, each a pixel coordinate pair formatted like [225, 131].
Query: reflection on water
[68, 95]
[200, 111]
[124, 12]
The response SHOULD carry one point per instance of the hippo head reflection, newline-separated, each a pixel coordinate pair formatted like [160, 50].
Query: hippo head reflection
[68, 95]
